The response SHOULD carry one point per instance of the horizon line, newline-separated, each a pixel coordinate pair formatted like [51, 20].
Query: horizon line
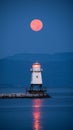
[53, 53]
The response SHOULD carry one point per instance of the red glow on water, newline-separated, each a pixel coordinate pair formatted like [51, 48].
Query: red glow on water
[37, 114]
[36, 120]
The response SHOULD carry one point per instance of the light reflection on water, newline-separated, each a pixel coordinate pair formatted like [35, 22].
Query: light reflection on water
[37, 125]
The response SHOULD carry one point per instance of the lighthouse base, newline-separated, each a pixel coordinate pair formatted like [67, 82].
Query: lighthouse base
[38, 93]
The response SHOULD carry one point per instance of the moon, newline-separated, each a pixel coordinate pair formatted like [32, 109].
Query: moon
[36, 25]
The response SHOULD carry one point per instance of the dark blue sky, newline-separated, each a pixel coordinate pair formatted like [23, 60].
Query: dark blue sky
[16, 35]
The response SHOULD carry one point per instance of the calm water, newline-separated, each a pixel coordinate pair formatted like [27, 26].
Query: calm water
[55, 113]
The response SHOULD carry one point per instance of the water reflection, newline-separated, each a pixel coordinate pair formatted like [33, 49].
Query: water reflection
[37, 103]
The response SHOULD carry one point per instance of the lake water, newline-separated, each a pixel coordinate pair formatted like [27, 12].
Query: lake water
[55, 113]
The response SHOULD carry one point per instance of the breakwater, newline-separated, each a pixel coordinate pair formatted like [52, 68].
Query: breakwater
[23, 95]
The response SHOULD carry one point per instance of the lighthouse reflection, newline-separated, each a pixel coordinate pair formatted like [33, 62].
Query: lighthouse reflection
[37, 103]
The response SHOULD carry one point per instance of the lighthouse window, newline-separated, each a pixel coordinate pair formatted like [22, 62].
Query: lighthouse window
[36, 76]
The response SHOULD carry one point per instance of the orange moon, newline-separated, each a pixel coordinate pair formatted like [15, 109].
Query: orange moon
[36, 25]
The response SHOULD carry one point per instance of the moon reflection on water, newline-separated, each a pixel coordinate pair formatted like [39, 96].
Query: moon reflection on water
[37, 103]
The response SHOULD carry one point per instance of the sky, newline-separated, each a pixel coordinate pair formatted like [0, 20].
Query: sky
[16, 35]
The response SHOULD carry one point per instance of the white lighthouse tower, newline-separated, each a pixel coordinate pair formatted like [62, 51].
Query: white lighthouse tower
[36, 85]
[36, 76]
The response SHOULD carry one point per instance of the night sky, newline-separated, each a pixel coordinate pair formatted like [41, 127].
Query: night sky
[16, 35]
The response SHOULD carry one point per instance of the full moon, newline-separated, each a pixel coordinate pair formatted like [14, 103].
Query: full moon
[36, 25]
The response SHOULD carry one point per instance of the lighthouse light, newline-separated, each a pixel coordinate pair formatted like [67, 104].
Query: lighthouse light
[36, 66]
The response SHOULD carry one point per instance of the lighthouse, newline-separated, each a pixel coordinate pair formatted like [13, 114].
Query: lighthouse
[36, 89]
[36, 76]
